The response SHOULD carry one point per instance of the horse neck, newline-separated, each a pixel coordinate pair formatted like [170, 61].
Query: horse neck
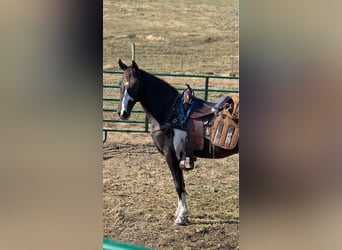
[157, 97]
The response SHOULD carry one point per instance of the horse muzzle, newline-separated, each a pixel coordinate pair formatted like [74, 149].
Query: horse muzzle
[124, 115]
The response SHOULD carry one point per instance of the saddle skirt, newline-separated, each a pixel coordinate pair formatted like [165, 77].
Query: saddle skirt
[225, 131]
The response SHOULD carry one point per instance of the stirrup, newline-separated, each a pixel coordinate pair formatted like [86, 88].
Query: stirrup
[185, 165]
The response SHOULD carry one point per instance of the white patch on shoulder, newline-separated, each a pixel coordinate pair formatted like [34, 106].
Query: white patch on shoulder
[179, 141]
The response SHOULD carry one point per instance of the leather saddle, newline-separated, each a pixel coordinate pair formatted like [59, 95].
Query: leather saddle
[201, 118]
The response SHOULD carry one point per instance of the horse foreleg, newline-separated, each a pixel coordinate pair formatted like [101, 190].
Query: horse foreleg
[182, 210]
[178, 179]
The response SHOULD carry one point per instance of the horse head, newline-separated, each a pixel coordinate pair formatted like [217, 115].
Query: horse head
[129, 89]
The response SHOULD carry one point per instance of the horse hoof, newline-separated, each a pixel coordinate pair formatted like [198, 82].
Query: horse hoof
[182, 221]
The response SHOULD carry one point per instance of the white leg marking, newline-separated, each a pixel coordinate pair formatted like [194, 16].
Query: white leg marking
[183, 208]
[179, 141]
[182, 211]
[124, 102]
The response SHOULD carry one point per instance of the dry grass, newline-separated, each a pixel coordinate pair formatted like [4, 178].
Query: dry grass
[179, 36]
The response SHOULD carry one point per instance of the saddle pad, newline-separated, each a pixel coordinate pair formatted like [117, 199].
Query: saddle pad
[225, 131]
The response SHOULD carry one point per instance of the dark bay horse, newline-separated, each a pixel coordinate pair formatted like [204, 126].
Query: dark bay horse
[161, 104]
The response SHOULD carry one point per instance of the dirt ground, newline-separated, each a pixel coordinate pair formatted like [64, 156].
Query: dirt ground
[140, 199]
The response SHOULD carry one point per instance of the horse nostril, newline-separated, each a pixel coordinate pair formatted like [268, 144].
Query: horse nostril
[124, 115]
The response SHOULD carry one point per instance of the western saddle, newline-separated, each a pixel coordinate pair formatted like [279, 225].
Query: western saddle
[218, 121]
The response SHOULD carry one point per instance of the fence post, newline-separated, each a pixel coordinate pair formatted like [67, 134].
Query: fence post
[105, 136]
[146, 124]
[133, 52]
[206, 88]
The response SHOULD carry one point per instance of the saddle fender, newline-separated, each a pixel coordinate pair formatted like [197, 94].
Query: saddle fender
[195, 132]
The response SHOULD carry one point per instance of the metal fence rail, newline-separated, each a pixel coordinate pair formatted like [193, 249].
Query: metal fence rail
[109, 124]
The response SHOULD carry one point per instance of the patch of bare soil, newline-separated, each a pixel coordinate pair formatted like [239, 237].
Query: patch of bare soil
[140, 199]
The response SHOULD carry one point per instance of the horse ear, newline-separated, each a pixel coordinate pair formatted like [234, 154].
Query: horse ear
[135, 66]
[122, 65]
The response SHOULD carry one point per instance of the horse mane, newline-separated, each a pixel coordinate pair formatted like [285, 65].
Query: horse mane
[157, 82]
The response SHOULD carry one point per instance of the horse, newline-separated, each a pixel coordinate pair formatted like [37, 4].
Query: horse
[160, 102]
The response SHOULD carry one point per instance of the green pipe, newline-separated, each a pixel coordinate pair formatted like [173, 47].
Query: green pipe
[124, 121]
[146, 124]
[206, 87]
[114, 110]
[125, 130]
[110, 87]
[209, 90]
[109, 244]
[177, 75]
[105, 136]
[110, 99]
[223, 90]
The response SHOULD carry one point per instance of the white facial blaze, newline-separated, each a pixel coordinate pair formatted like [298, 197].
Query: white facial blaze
[179, 141]
[126, 98]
